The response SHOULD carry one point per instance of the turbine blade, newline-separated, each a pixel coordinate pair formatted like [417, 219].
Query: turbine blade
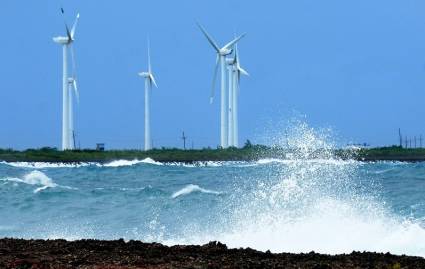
[151, 78]
[74, 69]
[233, 42]
[74, 26]
[149, 57]
[210, 39]
[237, 61]
[214, 79]
[77, 94]
[150, 82]
[236, 58]
[241, 70]
[68, 33]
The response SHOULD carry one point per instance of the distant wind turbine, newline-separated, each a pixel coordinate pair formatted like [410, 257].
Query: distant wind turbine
[221, 60]
[66, 43]
[238, 71]
[149, 79]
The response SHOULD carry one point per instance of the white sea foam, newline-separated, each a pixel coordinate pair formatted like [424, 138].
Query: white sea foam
[199, 164]
[328, 227]
[310, 205]
[192, 188]
[116, 163]
[312, 161]
[123, 163]
[313, 207]
[36, 178]
[41, 165]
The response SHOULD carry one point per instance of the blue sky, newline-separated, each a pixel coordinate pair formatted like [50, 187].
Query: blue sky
[355, 66]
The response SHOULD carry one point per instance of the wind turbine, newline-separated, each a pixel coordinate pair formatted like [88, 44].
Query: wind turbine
[149, 79]
[238, 71]
[66, 42]
[221, 60]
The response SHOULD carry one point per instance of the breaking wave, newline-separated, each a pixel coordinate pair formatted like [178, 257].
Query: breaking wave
[304, 205]
[191, 188]
[36, 178]
[123, 163]
[42, 165]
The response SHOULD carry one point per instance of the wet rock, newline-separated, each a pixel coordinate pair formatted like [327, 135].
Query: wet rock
[94, 254]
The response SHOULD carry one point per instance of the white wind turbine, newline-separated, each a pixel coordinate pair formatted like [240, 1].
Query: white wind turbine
[149, 79]
[66, 42]
[237, 72]
[221, 60]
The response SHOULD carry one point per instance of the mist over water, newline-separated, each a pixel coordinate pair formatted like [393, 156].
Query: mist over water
[296, 204]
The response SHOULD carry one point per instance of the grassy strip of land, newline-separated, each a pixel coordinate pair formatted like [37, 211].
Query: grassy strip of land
[248, 153]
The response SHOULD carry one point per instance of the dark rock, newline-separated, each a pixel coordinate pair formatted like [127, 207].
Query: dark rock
[91, 254]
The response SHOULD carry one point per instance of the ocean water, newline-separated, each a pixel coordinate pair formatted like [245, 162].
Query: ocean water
[300, 205]
[296, 204]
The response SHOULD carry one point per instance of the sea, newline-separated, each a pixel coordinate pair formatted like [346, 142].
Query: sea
[295, 205]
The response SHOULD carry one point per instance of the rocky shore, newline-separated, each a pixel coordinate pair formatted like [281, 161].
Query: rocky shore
[40, 254]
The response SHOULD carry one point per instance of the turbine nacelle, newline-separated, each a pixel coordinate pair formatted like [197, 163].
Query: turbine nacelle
[221, 54]
[225, 52]
[144, 74]
[149, 75]
[69, 38]
[63, 40]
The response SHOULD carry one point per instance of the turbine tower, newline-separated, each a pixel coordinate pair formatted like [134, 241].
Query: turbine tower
[72, 87]
[221, 60]
[237, 72]
[231, 68]
[149, 79]
[66, 42]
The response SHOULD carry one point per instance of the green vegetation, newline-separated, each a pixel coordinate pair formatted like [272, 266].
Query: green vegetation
[247, 153]
[394, 153]
[163, 155]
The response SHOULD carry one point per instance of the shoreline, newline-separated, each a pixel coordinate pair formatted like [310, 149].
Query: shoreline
[19, 253]
[246, 154]
[406, 159]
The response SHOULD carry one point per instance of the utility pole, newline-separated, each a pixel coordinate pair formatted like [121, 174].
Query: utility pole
[73, 138]
[184, 141]
[400, 137]
[420, 141]
[415, 141]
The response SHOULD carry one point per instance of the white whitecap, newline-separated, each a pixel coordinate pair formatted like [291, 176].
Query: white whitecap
[41, 165]
[193, 188]
[122, 163]
[36, 178]
[312, 161]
